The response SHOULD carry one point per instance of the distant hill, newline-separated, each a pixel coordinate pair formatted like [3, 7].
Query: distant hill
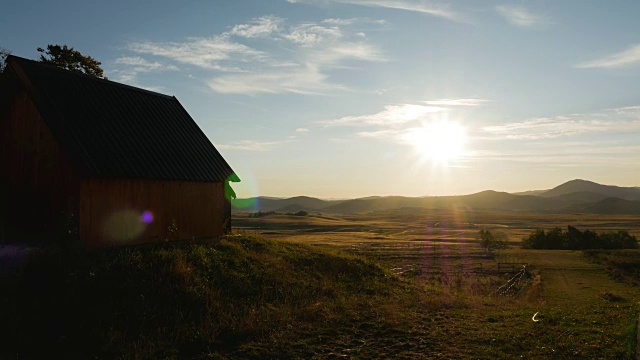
[572, 196]
[580, 197]
[293, 204]
[294, 208]
[612, 206]
[373, 204]
[369, 197]
[257, 203]
[573, 186]
[491, 200]
[484, 200]
[530, 192]
[501, 200]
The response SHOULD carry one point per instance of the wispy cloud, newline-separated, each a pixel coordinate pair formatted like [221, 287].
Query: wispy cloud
[302, 130]
[457, 102]
[519, 15]
[312, 34]
[296, 58]
[545, 128]
[319, 48]
[326, 45]
[258, 27]
[381, 134]
[622, 120]
[297, 80]
[420, 6]
[426, 128]
[623, 58]
[392, 115]
[209, 53]
[564, 160]
[568, 154]
[628, 110]
[402, 114]
[408, 124]
[129, 67]
[250, 145]
[139, 64]
[351, 21]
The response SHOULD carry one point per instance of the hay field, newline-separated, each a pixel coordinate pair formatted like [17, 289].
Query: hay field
[430, 240]
[583, 312]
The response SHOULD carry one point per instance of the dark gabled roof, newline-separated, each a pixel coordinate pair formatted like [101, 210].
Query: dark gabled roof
[109, 129]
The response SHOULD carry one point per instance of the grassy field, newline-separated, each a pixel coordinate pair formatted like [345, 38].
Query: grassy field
[584, 310]
[399, 285]
[622, 265]
[241, 297]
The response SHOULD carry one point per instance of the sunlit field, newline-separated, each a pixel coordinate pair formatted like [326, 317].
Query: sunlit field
[583, 309]
[399, 284]
[417, 238]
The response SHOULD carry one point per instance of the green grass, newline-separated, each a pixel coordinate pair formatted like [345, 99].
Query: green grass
[240, 297]
[584, 313]
[247, 297]
[622, 265]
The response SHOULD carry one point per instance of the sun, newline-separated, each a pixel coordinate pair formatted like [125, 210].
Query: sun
[441, 142]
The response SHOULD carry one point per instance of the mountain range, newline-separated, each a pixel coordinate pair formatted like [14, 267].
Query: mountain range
[575, 196]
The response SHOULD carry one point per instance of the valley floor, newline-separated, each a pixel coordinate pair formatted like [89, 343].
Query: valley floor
[582, 312]
[395, 285]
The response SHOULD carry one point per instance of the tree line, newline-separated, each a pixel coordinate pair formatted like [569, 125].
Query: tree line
[574, 239]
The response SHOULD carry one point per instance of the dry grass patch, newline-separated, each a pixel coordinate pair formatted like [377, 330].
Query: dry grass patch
[583, 311]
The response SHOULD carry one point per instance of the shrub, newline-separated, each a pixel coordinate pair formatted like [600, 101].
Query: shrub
[260, 213]
[489, 240]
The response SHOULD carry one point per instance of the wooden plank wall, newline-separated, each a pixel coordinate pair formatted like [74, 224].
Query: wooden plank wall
[40, 183]
[135, 211]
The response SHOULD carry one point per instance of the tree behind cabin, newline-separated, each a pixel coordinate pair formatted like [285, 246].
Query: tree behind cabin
[70, 59]
[3, 58]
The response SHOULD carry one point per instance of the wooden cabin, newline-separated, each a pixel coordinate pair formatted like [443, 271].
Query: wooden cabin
[93, 162]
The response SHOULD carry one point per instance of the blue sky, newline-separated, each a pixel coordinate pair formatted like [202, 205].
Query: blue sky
[350, 98]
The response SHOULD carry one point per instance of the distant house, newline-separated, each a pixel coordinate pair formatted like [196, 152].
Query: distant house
[93, 161]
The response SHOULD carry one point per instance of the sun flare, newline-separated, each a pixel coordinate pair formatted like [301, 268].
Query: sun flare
[441, 141]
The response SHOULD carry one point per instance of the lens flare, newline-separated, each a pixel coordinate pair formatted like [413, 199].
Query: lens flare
[147, 217]
[247, 190]
[124, 226]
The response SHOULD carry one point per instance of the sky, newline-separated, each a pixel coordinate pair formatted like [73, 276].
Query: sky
[354, 98]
